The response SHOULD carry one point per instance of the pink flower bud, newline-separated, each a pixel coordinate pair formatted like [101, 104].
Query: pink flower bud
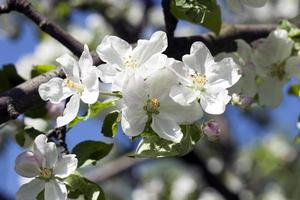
[212, 130]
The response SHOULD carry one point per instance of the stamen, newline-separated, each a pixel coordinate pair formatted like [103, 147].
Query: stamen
[199, 80]
[72, 85]
[130, 62]
[46, 173]
[152, 106]
[278, 70]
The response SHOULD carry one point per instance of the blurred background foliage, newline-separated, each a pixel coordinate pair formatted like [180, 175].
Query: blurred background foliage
[257, 157]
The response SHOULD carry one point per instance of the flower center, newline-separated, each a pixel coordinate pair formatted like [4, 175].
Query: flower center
[46, 173]
[72, 85]
[152, 106]
[199, 80]
[278, 70]
[130, 62]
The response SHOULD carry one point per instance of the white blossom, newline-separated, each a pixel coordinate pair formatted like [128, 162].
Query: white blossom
[81, 82]
[148, 101]
[236, 5]
[122, 60]
[274, 66]
[203, 78]
[47, 167]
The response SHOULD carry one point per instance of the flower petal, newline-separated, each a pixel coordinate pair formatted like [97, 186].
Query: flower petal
[65, 166]
[90, 81]
[166, 128]
[27, 165]
[199, 59]
[70, 111]
[270, 92]
[134, 91]
[214, 100]
[54, 90]
[70, 67]
[244, 50]
[55, 189]
[145, 49]
[85, 60]
[154, 63]
[293, 67]
[223, 74]
[107, 72]
[113, 50]
[133, 121]
[30, 191]
[45, 151]
[183, 95]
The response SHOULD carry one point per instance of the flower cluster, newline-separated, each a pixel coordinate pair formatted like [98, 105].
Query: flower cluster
[47, 167]
[158, 93]
[266, 67]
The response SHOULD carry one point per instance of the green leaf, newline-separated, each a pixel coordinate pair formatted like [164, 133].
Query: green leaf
[38, 111]
[153, 146]
[12, 75]
[91, 150]
[41, 69]
[295, 90]
[26, 134]
[20, 138]
[297, 139]
[292, 29]
[110, 124]
[79, 185]
[32, 132]
[93, 110]
[204, 12]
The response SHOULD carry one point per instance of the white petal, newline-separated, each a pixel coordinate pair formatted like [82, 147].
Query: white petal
[133, 121]
[114, 50]
[91, 83]
[235, 5]
[145, 49]
[199, 59]
[153, 64]
[223, 74]
[134, 91]
[70, 111]
[214, 100]
[107, 72]
[85, 60]
[55, 190]
[293, 67]
[255, 3]
[27, 165]
[65, 166]
[244, 50]
[45, 151]
[70, 67]
[183, 95]
[54, 90]
[275, 49]
[30, 191]
[166, 128]
[120, 81]
[270, 92]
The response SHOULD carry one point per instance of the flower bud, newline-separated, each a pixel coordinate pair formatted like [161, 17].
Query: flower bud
[242, 101]
[212, 130]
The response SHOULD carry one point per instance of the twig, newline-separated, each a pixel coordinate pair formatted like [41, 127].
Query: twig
[59, 134]
[170, 20]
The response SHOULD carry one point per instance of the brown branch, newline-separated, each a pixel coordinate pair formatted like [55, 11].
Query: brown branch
[170, 20]
[24, 96]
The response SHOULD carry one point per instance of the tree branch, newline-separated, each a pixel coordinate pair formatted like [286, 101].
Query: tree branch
[170, 20]
[24, 96]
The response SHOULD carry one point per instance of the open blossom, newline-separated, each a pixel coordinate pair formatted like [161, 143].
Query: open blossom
[122, 60]
[47, 167]
[147, 101]
[81, 82]
[236, 5]
[201, 78]
[274, 66]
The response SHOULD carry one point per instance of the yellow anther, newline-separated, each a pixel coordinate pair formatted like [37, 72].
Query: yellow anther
[199, 80]
[152, 105]
[46, 173]
[72, 85]
[130, 62]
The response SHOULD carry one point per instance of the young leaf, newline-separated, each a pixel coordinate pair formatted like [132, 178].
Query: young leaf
[93, 110]
[110, 124]
[91, 150]
[79, 185]
[41, 69]
[204, 12]
[295, 90]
